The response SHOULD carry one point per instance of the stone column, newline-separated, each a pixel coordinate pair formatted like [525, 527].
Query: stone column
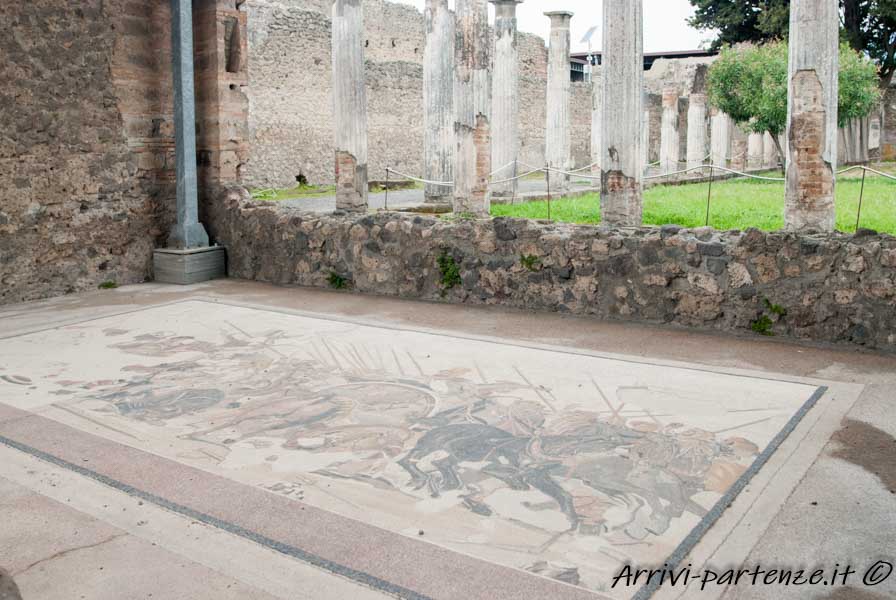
[669, 140]
[187, 231]
[812, 115]
[623, 83]
[645, 141]
[720, 139]
[472, 105]
[696, 130]
[597, 91]
[438, 100]
[505, 99]
[349, 105]
[738, 158]
[754, 150]
[557, 137]
[769, 151]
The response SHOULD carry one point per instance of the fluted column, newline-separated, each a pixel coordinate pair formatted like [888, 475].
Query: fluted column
[597, 91]
[505, 99]
[438, 100]
[769, 151]
[812, 115]
[349, 105]
[623, 85]
[669, 142]
[754, 150]
[472, 105]
[720, 138]
[557, 138]
[696, 130]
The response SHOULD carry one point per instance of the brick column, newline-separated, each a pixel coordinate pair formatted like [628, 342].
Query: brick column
[812, 115]
[623, 84]
[349, 105]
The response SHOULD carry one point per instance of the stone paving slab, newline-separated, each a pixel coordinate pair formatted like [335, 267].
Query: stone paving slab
[562, 464]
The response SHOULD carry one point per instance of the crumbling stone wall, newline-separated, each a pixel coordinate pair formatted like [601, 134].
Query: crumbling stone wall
[86, 149]
[888, 126]
[833, 287]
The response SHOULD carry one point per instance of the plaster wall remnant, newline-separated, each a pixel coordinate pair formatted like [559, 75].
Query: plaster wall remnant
[349, 105]
[812, 115]
[720, 139]
[623, 86]
[438, 101]
[557, 140]
[505, 100]
[597, 90]
[696, 148]
[669, 140]
[472, 101]
[755, 150]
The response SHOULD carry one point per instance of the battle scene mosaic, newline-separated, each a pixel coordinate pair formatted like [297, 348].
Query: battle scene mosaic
[563, 464]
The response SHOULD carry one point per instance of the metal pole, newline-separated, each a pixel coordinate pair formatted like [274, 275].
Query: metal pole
[547, 173]
[386, 200]
[861, 193]
[709, 193]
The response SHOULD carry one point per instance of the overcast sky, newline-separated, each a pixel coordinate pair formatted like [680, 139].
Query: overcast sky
[665, 22]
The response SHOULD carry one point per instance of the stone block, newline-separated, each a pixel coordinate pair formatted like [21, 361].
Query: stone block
[184, 267]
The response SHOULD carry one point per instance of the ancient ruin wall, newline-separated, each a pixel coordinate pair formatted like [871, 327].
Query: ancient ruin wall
[86, 149]
[834, 287]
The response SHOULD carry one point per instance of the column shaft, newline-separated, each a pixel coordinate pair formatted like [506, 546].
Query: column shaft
[623, 84]
[472, 105]
[187, 231]
[721, 138]
[597, 90]
[669, 140]
[754, 150]
[812, 115]
[349, 105]
[769, 151]
[696, 130]
[557, 137]
[438, 100]
[505, 99]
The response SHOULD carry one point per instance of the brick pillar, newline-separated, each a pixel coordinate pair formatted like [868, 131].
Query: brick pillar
[222, 108]
[622, 168]
[812, 115]
[349, 105]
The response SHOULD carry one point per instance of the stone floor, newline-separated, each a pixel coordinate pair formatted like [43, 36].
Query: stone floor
[299, 443]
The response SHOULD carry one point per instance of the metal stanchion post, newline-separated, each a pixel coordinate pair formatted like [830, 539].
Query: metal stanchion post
[709, 193]
[386, 201]
[547, 174]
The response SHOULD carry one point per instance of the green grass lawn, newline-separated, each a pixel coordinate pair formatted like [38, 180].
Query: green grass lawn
[313, 191]
[735, 204]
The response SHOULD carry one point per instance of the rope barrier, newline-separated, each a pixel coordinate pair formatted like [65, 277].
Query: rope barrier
[515, 178]
[412, 178]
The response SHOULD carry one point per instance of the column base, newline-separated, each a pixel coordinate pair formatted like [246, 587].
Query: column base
[194, 265]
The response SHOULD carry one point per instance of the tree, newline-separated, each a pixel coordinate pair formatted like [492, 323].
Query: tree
[749, 82]
[869, 26]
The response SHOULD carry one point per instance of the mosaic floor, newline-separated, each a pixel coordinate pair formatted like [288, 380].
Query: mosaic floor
[565, 465]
